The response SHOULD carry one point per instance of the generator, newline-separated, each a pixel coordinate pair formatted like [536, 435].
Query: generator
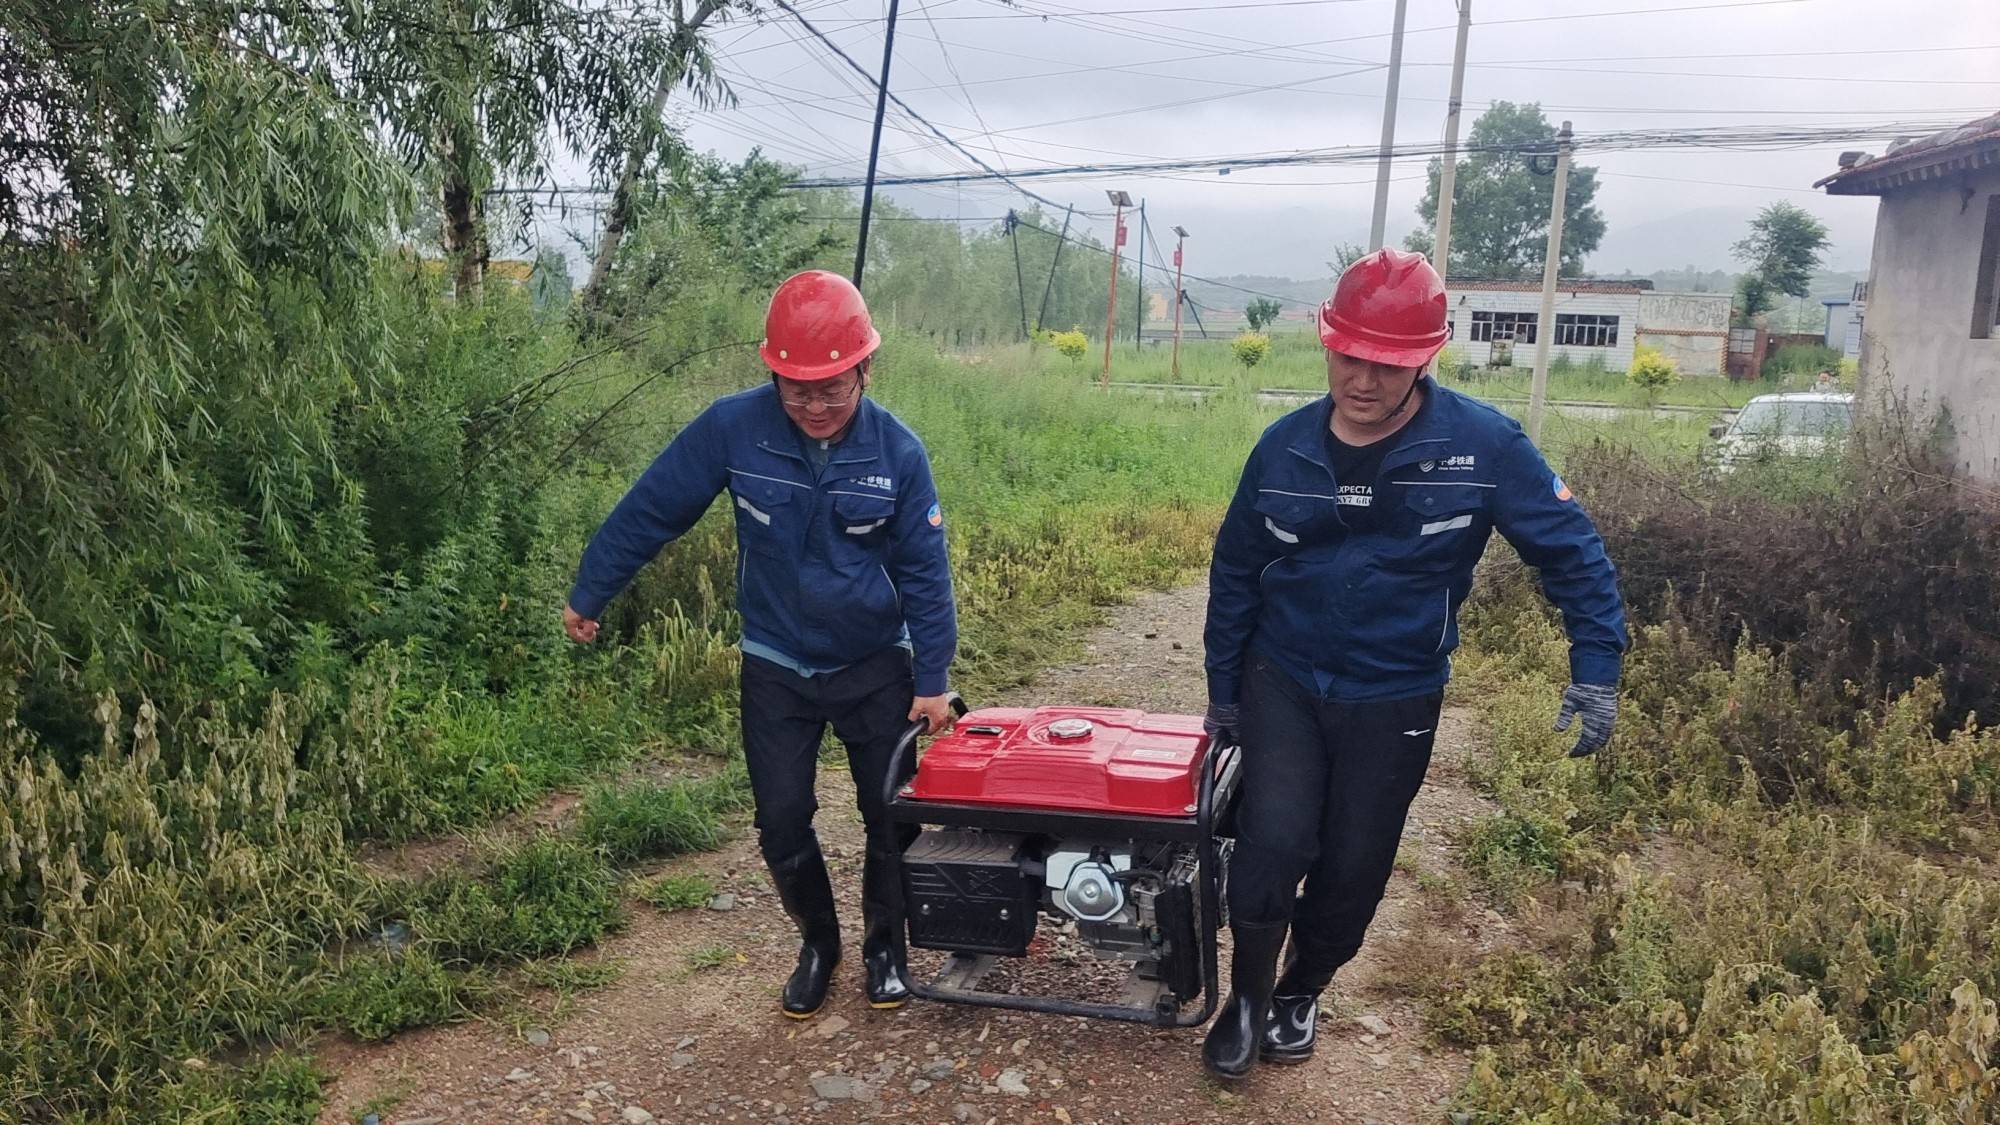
[1110, 823]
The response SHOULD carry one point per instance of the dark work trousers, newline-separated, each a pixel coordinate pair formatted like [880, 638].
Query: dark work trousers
[785, 716]
[1326, 788]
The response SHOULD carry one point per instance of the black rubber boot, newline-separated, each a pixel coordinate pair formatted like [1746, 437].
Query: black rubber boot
[1237, 1035]
[802, 885]
[883, 949]
[1294, 1027]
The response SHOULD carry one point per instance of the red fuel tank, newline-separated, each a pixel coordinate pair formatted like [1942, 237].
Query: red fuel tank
[1081, 759]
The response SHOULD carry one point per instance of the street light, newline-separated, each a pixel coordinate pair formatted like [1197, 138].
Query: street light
[1119, 200]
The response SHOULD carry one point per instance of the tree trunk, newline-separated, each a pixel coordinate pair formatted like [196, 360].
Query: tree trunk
[463, 246]
[620, 216]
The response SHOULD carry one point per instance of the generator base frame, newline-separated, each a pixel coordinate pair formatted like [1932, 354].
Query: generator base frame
[1146, 998]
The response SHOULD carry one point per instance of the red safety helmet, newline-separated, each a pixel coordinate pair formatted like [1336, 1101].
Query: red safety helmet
[1388, 307]
[817, 327]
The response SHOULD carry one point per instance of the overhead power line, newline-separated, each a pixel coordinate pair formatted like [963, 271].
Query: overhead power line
[991, 173]
[1738, 138]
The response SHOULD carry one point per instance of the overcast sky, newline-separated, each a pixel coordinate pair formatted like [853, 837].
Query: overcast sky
[1036, 90]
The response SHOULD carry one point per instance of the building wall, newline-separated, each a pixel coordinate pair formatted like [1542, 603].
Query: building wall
[1624, 306]
[1693, 328]
[1916, 339]
[1695, 353]
[1838, 319]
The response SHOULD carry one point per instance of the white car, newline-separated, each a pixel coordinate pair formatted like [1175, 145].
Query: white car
[1802, 424]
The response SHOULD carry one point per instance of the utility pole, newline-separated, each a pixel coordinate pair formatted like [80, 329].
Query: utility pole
[1042, 313]
[1448, 175]
[1381, 220]
[1020, 286]
[1545, 325]
[1139, 299]
[875, 145]
[1180, 244]
[1119, 200]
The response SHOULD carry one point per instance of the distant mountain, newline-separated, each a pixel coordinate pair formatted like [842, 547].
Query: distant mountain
[1701, 239]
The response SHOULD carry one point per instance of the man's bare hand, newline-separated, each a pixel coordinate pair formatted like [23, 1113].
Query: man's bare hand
[581, 629]
[937, 709]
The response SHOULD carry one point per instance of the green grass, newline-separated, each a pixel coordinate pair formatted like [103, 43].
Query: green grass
[376, 995]
[651, 819]
[679, 892]
[1297, 362]
[544, 897]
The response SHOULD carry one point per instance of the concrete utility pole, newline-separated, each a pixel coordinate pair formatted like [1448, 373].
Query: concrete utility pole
[875, 145]
[1381, 220]
[1119, 200]
[1180, 243]
[1139, 298]
[1448, 176]
[1545, 325]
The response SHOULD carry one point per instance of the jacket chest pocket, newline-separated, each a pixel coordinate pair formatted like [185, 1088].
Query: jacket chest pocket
[861, 523]
[1438, 528]
[767, 517]
[1290, 521]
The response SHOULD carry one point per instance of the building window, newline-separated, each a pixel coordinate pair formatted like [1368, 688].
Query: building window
[1490, 326]
[1986, 292]
[1583, 331]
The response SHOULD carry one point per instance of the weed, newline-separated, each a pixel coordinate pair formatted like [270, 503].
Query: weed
[651, 819]
[679, 892]
[374, 996]
[712, 957]
[566, 976]
[547, 896]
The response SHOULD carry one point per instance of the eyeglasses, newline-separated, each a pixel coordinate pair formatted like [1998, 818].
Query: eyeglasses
[832, 400]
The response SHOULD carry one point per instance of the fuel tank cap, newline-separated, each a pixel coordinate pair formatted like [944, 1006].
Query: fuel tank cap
[1069, 730]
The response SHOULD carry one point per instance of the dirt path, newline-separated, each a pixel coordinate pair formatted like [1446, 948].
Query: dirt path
[673, 1043]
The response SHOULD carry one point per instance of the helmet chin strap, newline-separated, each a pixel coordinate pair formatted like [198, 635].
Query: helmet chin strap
[1405, 403]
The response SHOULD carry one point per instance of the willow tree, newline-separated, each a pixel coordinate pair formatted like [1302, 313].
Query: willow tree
[479, 95]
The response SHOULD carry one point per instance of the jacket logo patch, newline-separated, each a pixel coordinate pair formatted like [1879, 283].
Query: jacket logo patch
[1427, 466]
[1464, 463]
[1562, 490]
[1447, 525]
[935, 516]
[884, 483]
[1283, 535]
[755, 514]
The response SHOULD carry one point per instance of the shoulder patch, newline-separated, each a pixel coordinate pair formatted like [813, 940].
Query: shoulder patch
[1562, 490]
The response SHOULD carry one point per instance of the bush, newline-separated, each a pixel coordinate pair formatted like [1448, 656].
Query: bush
[649, 819]
[1250, 348]
[376, 995]
[1879, 576]
[1807, 360]
[1071, 344]
[547, 896]
[1652, 371]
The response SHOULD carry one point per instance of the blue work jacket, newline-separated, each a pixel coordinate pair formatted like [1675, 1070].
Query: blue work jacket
[1360, 618]
[829, 571]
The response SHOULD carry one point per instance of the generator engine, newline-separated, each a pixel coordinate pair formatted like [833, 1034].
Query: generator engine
[1101, 820]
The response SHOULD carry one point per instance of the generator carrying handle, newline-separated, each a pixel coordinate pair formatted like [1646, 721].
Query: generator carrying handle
[906, 746]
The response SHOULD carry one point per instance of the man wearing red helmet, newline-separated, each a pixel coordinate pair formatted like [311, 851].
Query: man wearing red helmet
[1333, 600]
[844, 588]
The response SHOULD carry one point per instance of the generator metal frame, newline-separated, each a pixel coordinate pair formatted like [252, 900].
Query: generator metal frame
[1218, 775]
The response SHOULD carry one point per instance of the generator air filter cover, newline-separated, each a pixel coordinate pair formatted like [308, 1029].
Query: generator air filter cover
[1085, 759]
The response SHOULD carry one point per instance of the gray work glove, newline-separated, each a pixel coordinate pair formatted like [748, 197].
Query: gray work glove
[1598, 704]
[1220, 724]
